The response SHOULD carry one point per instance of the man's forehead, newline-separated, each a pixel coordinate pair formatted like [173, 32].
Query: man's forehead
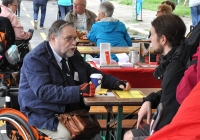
[79, 1]
[68, 30]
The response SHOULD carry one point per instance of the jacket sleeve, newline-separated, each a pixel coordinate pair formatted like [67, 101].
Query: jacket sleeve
[126, 36]
[107, 81]
[20, 34]
[154, 98]
[92, 34]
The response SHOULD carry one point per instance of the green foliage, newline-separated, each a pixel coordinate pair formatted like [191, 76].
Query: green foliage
[153, 4]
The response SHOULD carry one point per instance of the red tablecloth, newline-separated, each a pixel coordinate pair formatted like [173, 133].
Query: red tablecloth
[137, 77]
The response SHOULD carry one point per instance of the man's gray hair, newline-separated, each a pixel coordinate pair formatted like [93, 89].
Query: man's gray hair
[57, 26]
[107, 7]
[6, 2]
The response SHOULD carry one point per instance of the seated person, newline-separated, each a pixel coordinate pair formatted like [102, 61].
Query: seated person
[8, 9]
[81, 17]
[108, 29]
[186, 123]
[164, 41]
[48, 88]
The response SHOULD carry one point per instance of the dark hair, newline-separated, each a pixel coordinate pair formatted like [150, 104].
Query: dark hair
[57, 26]
[6, 2]
[172, 27]
[170, 3]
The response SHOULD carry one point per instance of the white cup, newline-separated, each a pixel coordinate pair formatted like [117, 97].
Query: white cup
[96, 79]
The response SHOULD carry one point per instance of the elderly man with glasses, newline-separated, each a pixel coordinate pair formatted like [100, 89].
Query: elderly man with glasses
[80, 16]
[8, 9]
[51, 81]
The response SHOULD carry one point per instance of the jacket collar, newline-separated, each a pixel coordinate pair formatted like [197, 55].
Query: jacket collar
[165, 60]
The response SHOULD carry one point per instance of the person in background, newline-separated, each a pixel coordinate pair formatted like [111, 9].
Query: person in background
[64, 6]
[170, 3]
[42, 4]
[18, 9]
[108, 29]
[53, 75]
[163, 9]
[8, 10]
[195, 10]
[167, 33]
[81, 17]
[139, 6]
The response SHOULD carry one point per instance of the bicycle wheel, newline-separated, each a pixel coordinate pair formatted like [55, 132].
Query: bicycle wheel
[15, 128]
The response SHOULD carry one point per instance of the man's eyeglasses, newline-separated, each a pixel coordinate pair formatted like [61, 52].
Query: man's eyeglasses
[70, 39]
[74, 4]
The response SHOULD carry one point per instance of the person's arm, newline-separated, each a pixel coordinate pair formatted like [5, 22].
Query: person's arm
[127, 37]
[20, 34]
[92, 34]
[154, 98]
[185, 3]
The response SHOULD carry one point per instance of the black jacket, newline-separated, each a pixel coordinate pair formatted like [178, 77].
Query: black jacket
[170, 72]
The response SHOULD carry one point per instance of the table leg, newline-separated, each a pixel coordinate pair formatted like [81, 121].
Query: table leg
[109, 109]
[84, 57]
[119, 122]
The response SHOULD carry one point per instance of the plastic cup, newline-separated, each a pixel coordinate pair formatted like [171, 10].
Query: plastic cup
[96, 79]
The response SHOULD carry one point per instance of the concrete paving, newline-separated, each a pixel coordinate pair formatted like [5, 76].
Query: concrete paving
[125, 14]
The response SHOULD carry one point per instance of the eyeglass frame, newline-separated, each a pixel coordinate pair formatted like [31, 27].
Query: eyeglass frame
[69, 39]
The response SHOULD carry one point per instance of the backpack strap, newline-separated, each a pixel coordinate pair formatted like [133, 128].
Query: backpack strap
[193, 62]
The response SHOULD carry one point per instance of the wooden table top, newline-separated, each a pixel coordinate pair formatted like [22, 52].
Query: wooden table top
[96, 50]
[133, 41]
[103, 100]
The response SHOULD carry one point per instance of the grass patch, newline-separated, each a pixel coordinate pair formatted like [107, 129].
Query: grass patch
[153, 4]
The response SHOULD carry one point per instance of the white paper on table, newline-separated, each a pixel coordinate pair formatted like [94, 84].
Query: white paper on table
[125, 64]
[104, 47]
[123, 57]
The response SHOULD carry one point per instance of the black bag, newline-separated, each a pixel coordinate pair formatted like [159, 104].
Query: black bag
[185, 51]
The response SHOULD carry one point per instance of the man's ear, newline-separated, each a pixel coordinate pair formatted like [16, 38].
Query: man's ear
[163, 40]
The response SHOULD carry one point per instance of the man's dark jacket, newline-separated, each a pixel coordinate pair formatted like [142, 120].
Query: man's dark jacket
[44, 90]
[170, 71]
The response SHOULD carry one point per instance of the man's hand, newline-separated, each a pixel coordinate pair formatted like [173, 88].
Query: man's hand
[87, 90]
[122, 85]
[145, 110]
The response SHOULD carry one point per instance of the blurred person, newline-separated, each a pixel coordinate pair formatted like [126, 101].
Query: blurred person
[81, 17]
[195, 10]
[64, 6]
[42, 5]
[18, 9]
[167, 33]
[53, 75]
[109, 29]
[139, 6]
[163, 9]
[8, 10]
[170, 3]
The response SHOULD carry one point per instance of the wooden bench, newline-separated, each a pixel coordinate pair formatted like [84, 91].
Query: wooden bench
[126, 124]
[102, 110]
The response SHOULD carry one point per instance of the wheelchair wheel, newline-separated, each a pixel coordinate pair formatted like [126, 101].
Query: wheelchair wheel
[14, 128]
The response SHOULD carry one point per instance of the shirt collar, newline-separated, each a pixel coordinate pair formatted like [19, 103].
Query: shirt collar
[58, 57]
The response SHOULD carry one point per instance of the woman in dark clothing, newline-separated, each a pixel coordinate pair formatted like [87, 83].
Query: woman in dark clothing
[167, 33]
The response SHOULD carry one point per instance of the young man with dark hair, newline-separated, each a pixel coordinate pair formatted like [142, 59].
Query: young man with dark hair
[167, 33]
